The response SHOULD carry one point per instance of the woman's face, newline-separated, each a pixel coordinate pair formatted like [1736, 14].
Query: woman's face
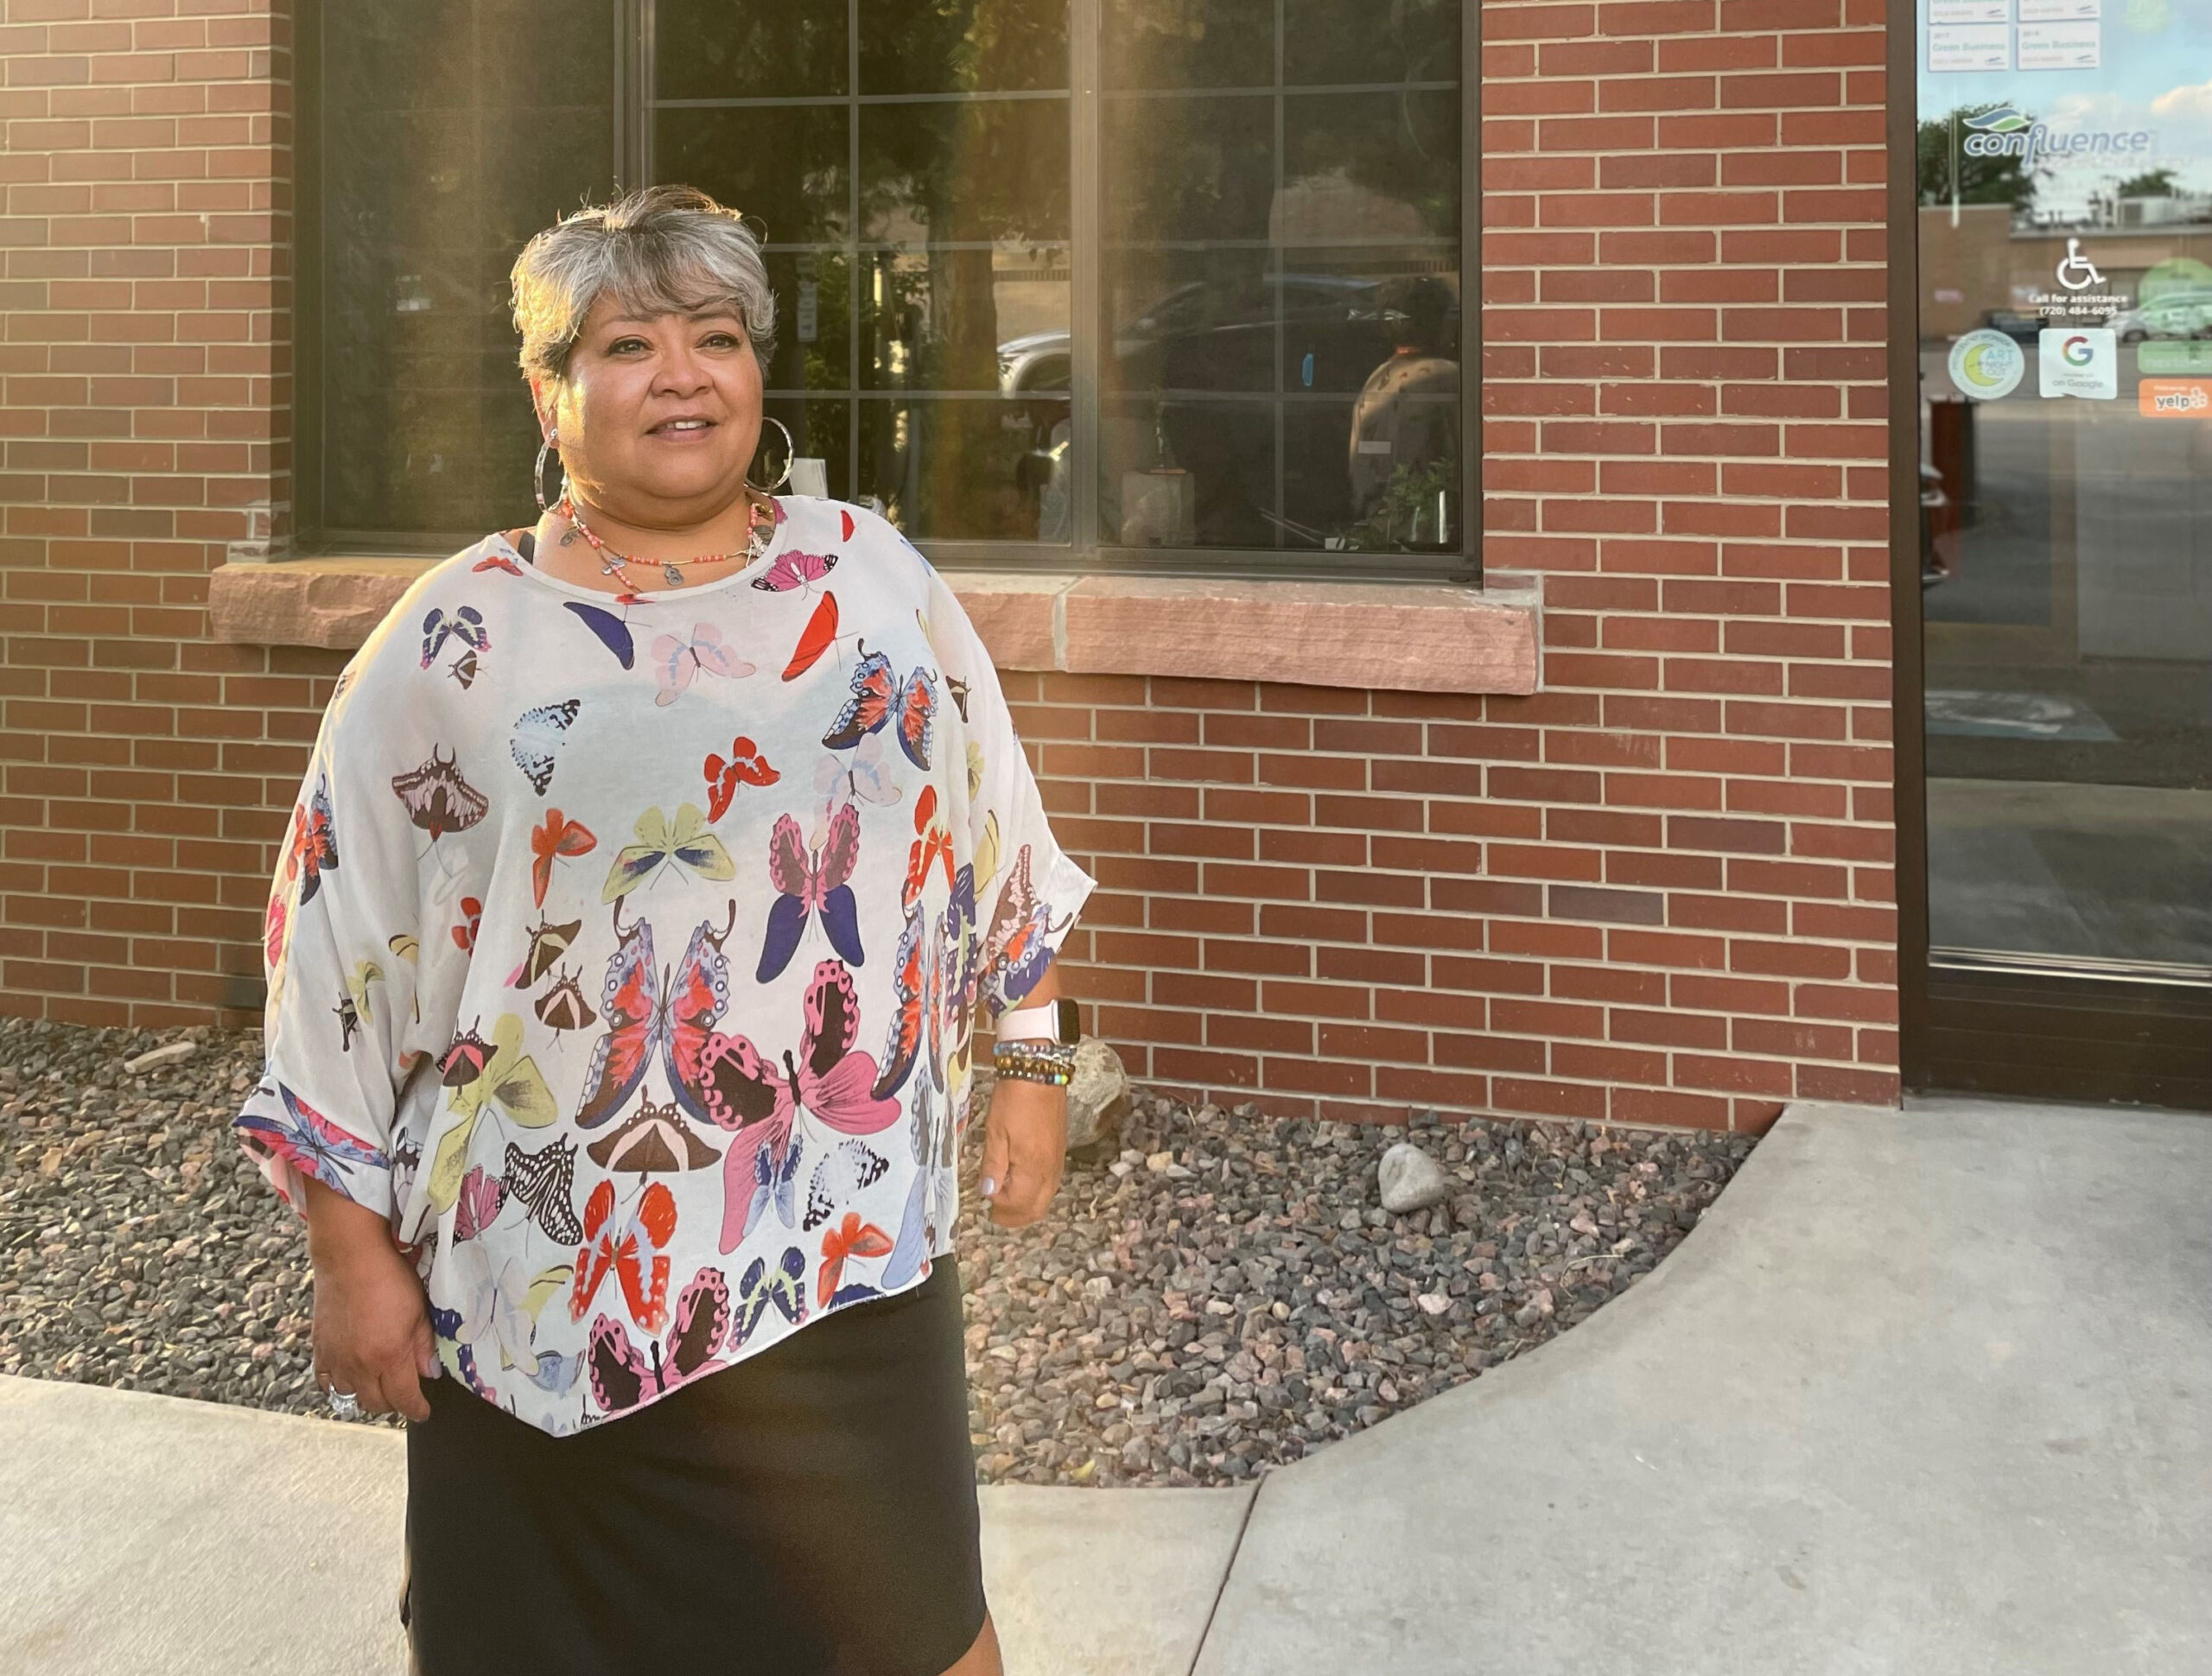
[658, 416]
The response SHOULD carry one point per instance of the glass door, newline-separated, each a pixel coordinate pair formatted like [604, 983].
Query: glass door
[2064, 225]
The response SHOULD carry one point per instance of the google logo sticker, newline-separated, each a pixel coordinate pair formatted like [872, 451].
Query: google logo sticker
[2078, 353]
[1987, 364]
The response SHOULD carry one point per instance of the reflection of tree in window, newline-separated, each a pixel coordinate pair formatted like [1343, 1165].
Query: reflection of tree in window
[1949, 174]
[967, 171]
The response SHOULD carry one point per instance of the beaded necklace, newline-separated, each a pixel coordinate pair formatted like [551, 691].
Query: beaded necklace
[614, 564]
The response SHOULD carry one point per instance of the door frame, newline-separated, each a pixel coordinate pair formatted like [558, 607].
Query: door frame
[2030, 1027]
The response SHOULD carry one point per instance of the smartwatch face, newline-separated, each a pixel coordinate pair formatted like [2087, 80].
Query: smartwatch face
[1067, 1019]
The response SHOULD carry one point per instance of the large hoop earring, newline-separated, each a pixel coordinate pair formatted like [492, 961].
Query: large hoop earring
[791, 453]
[537, 472]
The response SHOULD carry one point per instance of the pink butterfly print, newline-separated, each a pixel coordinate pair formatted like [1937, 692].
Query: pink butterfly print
[811, 884]
[621, 1379]
[634, 1249]
[482, 1197]
[497, 562]
[304, 1138]
[676, 660]
[1016, 946]
[650, 1009]
[829, 1078]
[795, 569]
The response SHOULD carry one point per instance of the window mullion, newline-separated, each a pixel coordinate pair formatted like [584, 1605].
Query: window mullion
[1085, 302]
[1470, 287]
[853, 231]
[634, 149]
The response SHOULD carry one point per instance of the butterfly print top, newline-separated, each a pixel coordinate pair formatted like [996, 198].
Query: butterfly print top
[625, 949]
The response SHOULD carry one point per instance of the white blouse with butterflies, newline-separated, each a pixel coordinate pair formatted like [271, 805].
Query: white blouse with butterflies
[624, 951]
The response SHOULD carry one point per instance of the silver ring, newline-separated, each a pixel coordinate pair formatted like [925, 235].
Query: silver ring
[345, 1405]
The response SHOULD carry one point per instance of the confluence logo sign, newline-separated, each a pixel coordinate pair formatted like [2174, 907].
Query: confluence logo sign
[2006, 132]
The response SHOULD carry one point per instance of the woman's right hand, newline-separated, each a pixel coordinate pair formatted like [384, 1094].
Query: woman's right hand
[371, 1322]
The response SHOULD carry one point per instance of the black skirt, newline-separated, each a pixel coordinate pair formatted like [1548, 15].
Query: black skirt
[810, 1510]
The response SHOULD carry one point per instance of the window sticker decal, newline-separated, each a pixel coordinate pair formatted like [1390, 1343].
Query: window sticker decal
[1987, 364]
[2080, 361]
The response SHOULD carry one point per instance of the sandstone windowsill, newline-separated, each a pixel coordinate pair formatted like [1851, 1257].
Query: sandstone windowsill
[1403, 637]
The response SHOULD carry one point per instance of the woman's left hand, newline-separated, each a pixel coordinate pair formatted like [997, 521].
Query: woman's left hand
[1025, 1148]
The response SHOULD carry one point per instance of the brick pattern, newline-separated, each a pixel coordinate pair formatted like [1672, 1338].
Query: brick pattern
[1661, 890]
[144, 393]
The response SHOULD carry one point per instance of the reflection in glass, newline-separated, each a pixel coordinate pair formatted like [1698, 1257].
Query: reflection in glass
[951, 170]
[1370, 166]
[2065, 329]
[712, 50]
[923, 298]
[1192, 169]
[1187, 43]
[951, 469]
[1337, 41]
[1280, 307]
[437, 159]
[962, 45]
[813, 319]
[821, 429]
[989, 320]
[784, 167]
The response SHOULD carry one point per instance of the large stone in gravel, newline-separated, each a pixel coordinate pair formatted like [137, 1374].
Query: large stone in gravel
[1410, 1179]
[1098, 1093]
[169, 1053]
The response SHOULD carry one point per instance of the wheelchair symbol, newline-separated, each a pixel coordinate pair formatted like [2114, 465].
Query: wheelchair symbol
[2075, 263]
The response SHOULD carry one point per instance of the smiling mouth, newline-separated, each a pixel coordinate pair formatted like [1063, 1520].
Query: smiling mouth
[681, 426]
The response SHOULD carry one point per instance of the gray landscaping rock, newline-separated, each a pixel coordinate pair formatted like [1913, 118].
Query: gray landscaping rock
[1220, 1298]
[1098, 1093]
[1410, 1180]
[169, 1053]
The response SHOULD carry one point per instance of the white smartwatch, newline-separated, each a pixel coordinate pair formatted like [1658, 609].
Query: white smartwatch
[1058, 1020]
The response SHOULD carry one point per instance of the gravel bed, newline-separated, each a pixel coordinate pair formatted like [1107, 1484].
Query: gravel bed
[1212, 1293]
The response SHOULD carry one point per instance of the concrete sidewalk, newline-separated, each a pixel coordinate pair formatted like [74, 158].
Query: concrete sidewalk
[149, 1534]
[1925, 1393]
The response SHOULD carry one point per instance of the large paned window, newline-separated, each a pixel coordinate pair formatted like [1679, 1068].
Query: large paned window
[1172, 283]
[434, 137]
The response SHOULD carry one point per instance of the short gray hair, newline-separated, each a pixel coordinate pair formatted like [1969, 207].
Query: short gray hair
[659, 250]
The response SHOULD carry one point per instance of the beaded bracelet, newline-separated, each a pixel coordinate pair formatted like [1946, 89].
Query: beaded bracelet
[1034, 1062]
[1019, 1061]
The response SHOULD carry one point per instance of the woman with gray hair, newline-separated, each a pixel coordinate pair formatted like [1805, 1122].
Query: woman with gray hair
[649, 873]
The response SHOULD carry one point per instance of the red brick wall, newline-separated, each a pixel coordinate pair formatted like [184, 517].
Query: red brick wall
[1661, 891]
[143, 394]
